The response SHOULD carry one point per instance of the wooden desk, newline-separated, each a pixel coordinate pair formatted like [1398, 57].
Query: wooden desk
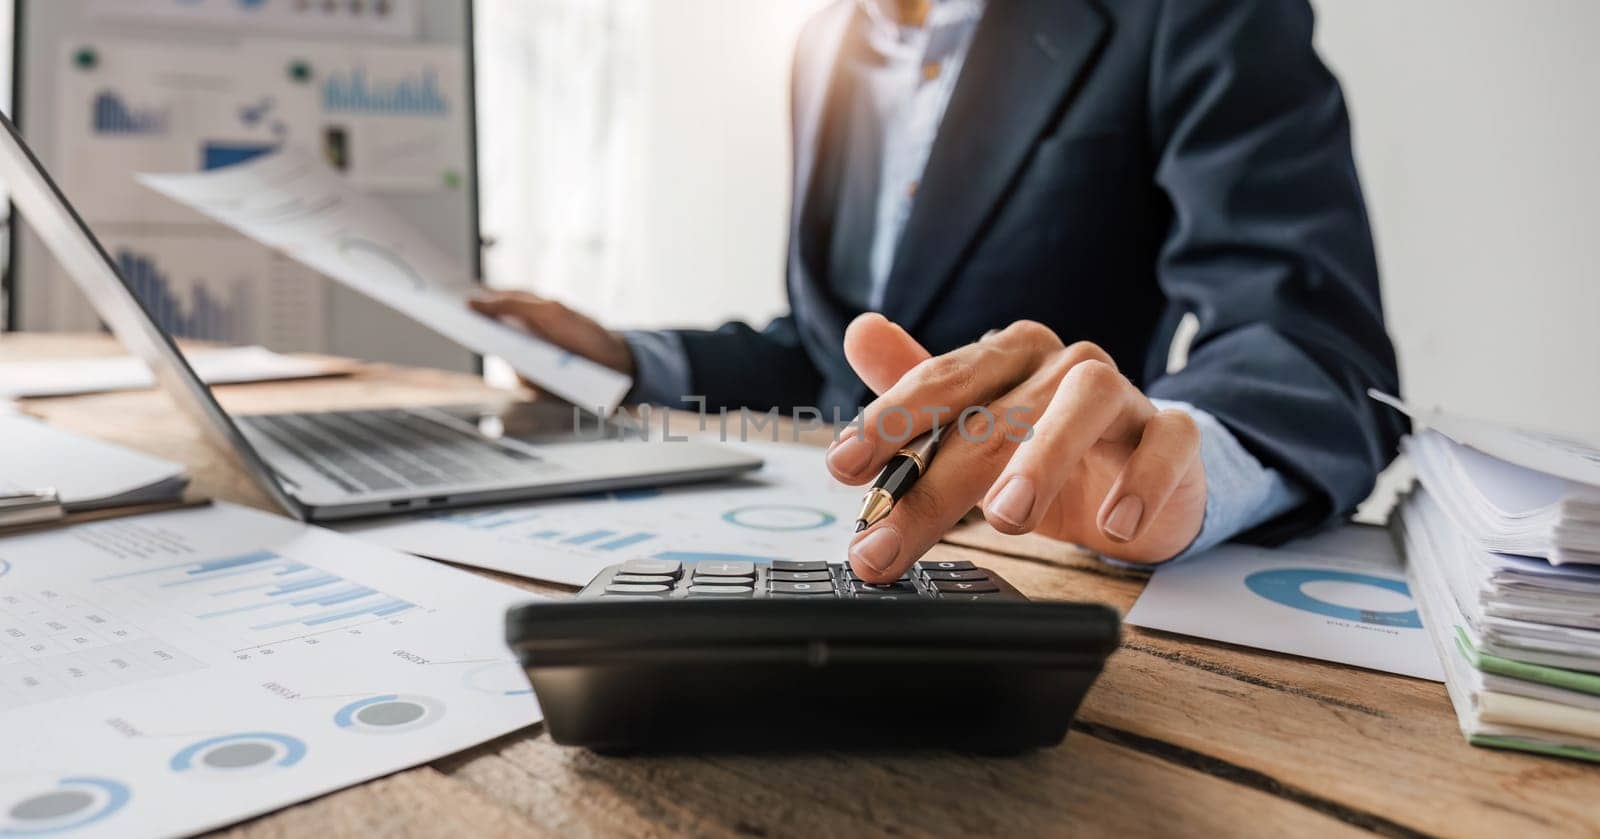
[1179, 736]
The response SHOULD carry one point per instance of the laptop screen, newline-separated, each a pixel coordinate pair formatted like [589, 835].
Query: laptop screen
[63, 231]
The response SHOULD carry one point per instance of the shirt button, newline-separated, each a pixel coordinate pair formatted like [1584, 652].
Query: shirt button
[911, 189]
[930, 71]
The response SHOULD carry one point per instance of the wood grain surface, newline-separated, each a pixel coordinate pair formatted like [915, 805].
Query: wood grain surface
[1180, 736]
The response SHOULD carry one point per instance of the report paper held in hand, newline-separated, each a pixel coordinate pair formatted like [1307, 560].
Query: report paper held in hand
[172, 673]
[1338, 596]
[791, 509]
[292, 201]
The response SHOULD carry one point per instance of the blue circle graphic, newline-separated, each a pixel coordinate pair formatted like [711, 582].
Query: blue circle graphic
[1283, 586]
[390, 713]
[5, 568]
[292, 748]
[808, 518]
[102, 797]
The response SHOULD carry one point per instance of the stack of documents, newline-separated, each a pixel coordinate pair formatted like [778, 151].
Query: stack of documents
[1502, 558]
[1509, 508]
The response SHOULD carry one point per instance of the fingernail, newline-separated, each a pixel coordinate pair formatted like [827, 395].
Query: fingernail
[850, 455]
[1124, 518]
[878, 549]
[1014, 501]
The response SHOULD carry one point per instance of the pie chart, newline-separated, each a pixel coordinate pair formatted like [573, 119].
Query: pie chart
[1347, 595]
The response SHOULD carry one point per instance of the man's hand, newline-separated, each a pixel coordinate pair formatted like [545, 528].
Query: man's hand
[574, 332]
[1102, 467]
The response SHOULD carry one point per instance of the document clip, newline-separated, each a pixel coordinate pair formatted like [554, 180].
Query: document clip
[19, 508]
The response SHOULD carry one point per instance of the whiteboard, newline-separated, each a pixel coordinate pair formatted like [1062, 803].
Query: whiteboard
[383, 89]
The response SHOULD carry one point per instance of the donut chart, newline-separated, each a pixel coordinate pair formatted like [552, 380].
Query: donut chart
[1286, 586]
[778, 517]
[72, 803]
[390, 713]
[245, 752]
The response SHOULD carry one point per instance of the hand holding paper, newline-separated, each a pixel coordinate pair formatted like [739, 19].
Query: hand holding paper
[291, 201]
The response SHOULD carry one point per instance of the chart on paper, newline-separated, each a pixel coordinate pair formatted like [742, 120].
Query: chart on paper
[205, 665]
[789, 510]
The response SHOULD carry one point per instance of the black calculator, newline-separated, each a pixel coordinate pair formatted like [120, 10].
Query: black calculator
[664, 655]
[784, 579]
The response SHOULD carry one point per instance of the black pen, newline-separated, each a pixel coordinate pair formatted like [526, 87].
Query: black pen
[897, 479]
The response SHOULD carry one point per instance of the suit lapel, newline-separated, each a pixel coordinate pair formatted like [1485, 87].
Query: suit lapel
[1024, 58]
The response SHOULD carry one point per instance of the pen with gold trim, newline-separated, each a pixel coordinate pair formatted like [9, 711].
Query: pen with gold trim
[897, 478]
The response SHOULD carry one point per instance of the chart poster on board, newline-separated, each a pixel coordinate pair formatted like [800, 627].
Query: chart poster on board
[392, 19]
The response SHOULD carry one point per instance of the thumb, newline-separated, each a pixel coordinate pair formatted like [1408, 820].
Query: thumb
[880, 351]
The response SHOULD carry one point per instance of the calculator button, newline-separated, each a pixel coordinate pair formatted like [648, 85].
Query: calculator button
[945, 565]
[641, 578]
[974, 574]
[856, 578]
[725, 568]
[781, 587]
[721, 591]
[798, 565]
[886, 595]
[987, 595]
[890, 588]
[800, 576]
[636, 588]
[965, 586]
[665, 567]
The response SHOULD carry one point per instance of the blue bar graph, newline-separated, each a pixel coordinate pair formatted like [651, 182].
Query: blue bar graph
[234, 562]
[586, 538]
[112, 115]
[354, 92]
[247, 594]
[700, 556]
[488, 519]
[627, 541]
[547, 534]
[204, 315]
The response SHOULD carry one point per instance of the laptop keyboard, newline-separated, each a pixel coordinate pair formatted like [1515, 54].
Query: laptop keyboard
[390, 450]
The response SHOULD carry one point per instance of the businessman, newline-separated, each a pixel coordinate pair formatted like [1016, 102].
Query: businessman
[1011, 204]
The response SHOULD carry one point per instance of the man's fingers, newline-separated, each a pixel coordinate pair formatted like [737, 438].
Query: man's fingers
[936, 391]
[1168, 451]
[1092, 402]
[964, 466]
[880, 351]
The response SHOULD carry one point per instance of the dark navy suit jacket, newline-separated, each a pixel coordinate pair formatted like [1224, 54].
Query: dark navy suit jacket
[1104, 168]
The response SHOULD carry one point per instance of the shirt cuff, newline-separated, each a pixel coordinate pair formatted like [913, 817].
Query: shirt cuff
[1241, 493]
[660, 368]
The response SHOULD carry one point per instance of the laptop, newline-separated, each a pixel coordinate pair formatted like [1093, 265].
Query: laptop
[345, 464]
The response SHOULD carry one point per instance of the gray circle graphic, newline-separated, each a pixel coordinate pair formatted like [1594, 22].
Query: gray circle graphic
[239, 755]
[52, 805]
[398, 712]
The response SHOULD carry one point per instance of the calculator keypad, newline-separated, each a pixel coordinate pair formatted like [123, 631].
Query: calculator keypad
[786, 579]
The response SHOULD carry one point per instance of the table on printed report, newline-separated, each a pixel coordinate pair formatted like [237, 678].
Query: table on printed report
[1179, 735]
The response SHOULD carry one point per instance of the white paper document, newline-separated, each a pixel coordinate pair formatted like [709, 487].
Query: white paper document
[172, 673]
[1338, 596]
[1562, 457]
[292, 201]
[231, 365]
[791, 509]
[85, 473]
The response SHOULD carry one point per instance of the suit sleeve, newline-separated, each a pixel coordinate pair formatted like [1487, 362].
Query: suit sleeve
[737, 366]
[1270, 248]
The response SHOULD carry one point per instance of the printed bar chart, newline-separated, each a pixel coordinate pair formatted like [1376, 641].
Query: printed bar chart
[263, 597]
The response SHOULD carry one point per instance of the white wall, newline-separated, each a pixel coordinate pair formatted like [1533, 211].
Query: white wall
[1478, 136]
